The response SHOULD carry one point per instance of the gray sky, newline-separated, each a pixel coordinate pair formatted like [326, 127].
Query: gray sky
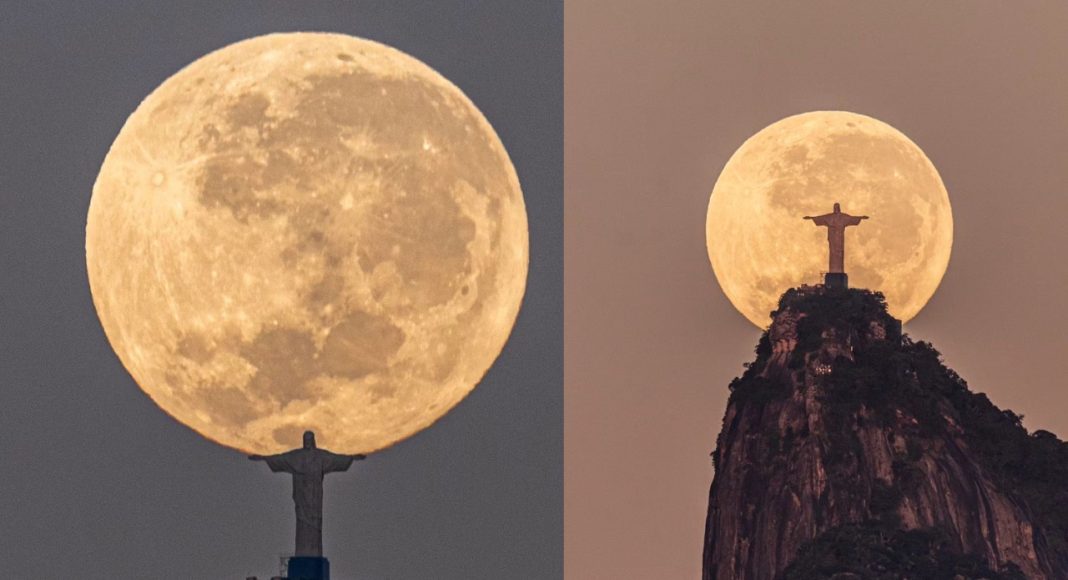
[658, 95]
[96, 481]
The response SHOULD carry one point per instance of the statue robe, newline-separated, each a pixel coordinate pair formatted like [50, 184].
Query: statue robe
[836, 223]
[308, 466]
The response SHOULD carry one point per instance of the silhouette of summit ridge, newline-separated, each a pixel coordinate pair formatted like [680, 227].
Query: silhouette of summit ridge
[850, 451]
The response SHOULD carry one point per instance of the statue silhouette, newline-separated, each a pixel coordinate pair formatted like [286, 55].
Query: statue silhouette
[308, 465]
[836, 222]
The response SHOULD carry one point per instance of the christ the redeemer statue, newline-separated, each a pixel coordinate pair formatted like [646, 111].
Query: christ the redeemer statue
[836, 222]
[308, 465]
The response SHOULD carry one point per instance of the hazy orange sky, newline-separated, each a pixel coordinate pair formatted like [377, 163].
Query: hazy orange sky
[657, 97]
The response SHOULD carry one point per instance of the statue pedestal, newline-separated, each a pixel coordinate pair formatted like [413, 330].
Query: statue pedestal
[836, 280]
[308, 568]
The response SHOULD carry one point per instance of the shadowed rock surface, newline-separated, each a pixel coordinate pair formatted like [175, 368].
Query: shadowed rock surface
[855, 447]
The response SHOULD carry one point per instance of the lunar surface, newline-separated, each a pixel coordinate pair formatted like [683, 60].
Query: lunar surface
[307, 231]
[800, 166]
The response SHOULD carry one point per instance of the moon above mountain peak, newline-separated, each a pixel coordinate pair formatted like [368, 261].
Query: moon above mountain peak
[307, 231]
[760, 245]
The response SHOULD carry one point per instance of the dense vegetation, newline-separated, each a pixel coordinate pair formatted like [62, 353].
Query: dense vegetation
[874, 551]
[901, 374]
[1033, 467]
[844, 311]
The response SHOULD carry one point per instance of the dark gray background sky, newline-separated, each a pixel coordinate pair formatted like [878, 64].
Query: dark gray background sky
[96, 481]
[658, 95]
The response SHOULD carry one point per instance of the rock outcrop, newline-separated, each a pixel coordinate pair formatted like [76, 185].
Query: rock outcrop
[842, 421]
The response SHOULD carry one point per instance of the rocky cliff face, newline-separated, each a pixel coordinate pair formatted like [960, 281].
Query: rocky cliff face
[840, 421]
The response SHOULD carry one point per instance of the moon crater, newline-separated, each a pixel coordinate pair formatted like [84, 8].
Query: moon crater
[759, 245]
[307, 231]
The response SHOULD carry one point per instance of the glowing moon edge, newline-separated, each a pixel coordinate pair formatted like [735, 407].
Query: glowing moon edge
[509, 292]
[800, 165]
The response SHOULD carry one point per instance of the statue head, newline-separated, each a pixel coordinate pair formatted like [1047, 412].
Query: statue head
[837, 208]
[309, 440]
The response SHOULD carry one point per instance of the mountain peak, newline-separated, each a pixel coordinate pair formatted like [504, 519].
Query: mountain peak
[845, 429]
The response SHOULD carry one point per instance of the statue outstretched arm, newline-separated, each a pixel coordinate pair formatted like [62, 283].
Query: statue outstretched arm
[277, 463]
[337, 462]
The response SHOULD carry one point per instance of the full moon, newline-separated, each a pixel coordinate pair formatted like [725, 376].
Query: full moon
[760, 246]
[307, 231]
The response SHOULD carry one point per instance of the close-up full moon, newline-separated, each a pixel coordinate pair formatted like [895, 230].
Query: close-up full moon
[760, 245]
[307, 231]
